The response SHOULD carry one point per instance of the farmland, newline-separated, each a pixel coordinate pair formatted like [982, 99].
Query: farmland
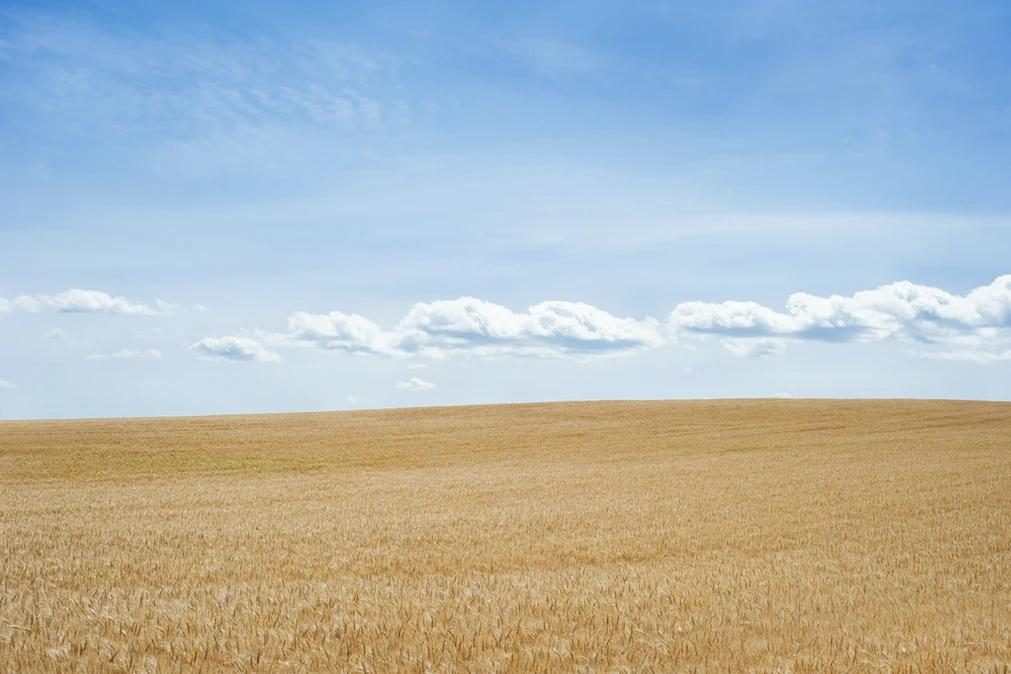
[696, 536]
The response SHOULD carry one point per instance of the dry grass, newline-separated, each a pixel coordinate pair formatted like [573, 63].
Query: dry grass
[762, 536]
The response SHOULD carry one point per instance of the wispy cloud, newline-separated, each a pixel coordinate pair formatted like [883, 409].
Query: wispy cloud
[979, 356]
[185, 84]
[234, 349]
[4, 384]
[552, 56]
[759, 347]
[415, 384]
[77, 300]
[128, 354]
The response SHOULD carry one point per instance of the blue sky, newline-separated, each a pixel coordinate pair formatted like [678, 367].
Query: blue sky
[254, 207]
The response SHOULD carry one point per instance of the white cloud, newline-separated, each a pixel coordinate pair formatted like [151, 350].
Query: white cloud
[415, 384]
[128, 354]
[233, 348]
[979, 356]
[4, 384]
[5, 305]
[77, 300]
[477, 327]
[339, 332]
[55, 333]
[418, 366]
[978, 322]
[758, 347]
[165, 307]
[902, 310]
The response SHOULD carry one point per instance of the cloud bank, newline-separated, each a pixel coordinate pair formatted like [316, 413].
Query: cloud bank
[972, 327]
[904, 311]
[473, 326]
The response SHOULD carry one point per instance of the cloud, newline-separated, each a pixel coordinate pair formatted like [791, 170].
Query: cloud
[550, 329]
[978, 356]
[4, 384]
[759, 347]
[77, 300]
[552, 57]
[477, 327]
[193, 90]
[164, 307]
[128, 354]
[338, 331]
[415, 384]
[55, 333]
[902, 310]
[978, 322]
[233, 348]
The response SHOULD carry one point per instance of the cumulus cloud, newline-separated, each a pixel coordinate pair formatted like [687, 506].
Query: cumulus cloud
[415, 384]
[128, 354]
[338, 331]
[233, 348]
[477, 327]
[77, 300]
[4, 384]
[977, 323]
[546, 329]
[901, 310]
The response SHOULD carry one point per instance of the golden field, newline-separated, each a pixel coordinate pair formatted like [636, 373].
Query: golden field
[724, 536]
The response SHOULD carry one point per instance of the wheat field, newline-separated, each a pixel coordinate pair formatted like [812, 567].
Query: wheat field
[723, 536]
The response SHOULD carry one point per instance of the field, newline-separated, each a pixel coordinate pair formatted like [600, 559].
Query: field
[731, 536]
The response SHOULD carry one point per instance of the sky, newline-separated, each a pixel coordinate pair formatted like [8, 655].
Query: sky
[257, 206]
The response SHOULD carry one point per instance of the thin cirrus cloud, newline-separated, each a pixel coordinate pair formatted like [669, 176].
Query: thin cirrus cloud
[77, 300]
[128, 354]
[415, 384]
[760, 347]
[233, 348]
[473, 326]
[903, 310]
